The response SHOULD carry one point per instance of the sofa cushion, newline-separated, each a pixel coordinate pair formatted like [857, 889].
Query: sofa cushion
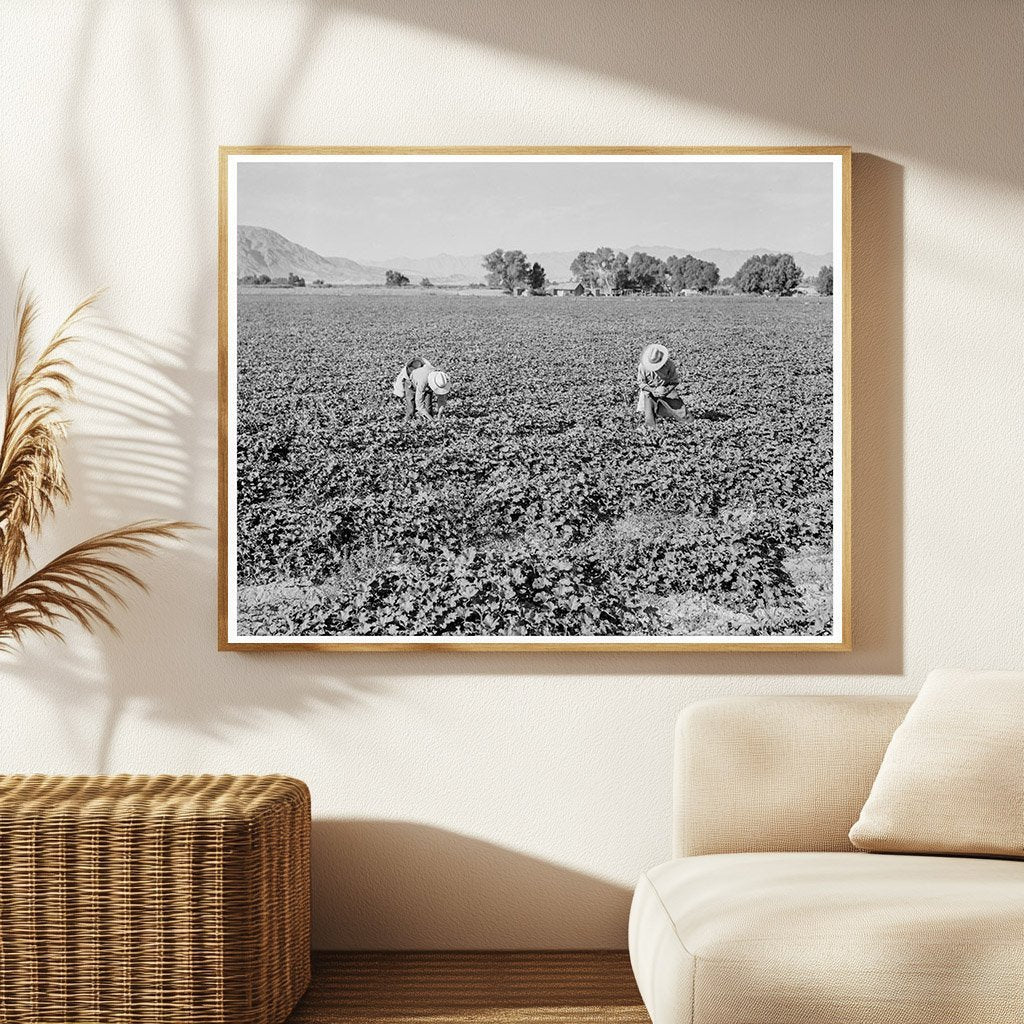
[830, 938]
[950, 781]
[756, 774]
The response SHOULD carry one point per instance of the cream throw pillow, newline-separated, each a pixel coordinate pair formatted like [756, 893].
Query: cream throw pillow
[952, 780]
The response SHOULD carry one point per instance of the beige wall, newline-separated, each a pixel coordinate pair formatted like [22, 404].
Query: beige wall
[489, 800]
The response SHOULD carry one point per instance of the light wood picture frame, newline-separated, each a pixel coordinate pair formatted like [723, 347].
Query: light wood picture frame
[463, 407]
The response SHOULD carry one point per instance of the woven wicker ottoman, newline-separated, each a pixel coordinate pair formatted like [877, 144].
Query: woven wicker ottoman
[136, 900]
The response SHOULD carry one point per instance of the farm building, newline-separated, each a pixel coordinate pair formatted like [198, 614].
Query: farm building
[567, 289]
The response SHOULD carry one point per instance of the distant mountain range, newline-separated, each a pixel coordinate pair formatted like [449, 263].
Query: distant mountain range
[262, 251]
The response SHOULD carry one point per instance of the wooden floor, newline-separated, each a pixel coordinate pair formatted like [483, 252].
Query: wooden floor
[465, 988]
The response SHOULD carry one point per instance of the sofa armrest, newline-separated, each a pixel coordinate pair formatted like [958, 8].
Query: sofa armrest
[760, 774]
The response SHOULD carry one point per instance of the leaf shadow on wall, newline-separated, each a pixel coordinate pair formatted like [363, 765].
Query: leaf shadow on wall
[138, 456]
[405, 885]
[148, 449]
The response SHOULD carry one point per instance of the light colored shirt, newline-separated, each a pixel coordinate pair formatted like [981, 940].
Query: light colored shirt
[418, 379]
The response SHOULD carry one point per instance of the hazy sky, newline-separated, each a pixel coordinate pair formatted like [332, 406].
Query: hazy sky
[382, 209]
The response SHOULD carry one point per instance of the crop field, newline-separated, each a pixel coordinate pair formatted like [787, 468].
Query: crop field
[535, 506]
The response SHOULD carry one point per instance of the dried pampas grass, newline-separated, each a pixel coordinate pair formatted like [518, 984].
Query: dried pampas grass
[82, 583]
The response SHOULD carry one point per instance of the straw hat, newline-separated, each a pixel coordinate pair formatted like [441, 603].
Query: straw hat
[439, 382]
[654, 358]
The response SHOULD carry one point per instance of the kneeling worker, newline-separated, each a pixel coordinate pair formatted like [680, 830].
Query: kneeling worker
[658, 379]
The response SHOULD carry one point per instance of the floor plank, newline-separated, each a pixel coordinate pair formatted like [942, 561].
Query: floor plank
[471, 988]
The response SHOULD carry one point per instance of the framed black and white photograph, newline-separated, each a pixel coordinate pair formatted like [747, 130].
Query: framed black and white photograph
[547, 399]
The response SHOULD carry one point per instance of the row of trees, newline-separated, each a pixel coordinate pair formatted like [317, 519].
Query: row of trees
[605, 270]
[292, 280]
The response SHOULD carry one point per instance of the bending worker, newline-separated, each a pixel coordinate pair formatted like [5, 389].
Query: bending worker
[424, 389]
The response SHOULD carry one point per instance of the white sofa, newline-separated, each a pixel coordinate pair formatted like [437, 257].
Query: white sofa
[767, 914]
